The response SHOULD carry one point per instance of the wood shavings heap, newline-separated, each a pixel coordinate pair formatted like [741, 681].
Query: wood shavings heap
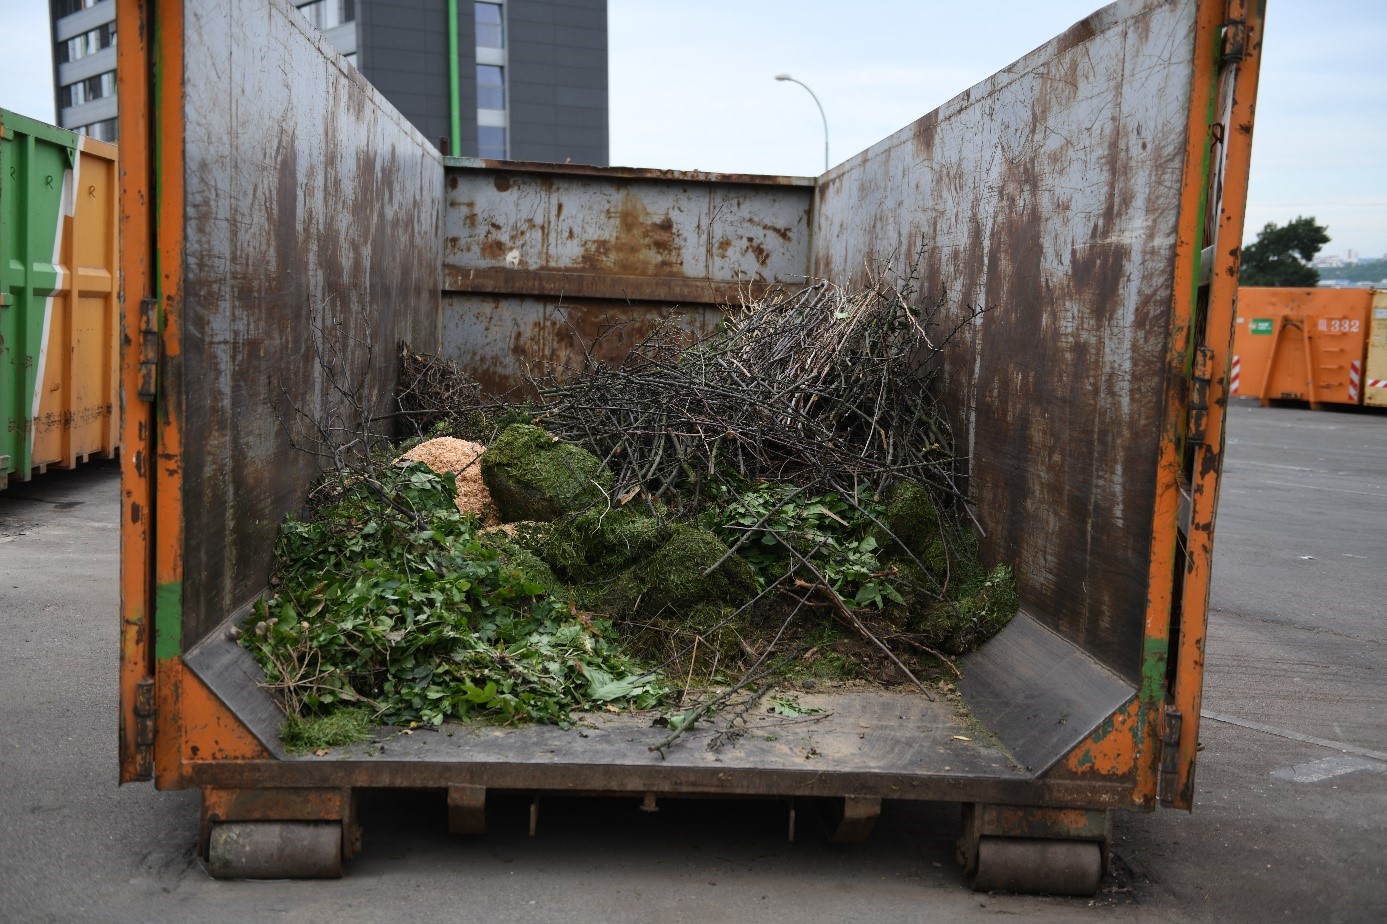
[462, 458]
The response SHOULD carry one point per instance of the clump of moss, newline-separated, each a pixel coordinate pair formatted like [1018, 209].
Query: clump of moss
[913, 521]
[674, 576]
[602, 541]
[531, 568]
[346, 725]
[532, 476]
[979, 605]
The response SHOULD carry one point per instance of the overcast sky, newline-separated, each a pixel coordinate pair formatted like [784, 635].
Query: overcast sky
[692, 87]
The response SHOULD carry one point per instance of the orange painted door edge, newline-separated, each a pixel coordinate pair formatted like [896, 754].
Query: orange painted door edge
[168, 717]
[1212, 201]
[1237, 115]
[136, 415]
[1140, 739]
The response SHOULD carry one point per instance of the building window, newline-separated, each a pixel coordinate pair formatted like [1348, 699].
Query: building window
[491, 81]
[491, 87]
[105, 130]
[84, 91]
[328, 14]
[489, 27]
[491, 142]
[68, 7]
[88, 43]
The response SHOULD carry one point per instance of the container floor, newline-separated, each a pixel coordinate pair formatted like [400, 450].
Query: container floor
[862, 731]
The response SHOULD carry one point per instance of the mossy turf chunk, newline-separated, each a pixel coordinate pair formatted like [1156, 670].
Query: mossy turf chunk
[673, 577]
[913, 520]
[532, 476]
[532, 568]
[600, 542]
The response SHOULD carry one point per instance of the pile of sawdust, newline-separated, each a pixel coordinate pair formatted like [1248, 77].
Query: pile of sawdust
[463, 459]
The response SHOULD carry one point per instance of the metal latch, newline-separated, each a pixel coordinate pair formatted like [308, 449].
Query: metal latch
[145, 711]
[1170, 754]
[149, 348]
[1199, 394]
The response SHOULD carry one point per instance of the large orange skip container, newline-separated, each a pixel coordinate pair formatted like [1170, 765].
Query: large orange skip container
[1093, 192]
[1301, 344]
[58, 311]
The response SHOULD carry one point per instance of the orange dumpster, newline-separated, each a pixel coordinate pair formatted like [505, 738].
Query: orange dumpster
[1301, 344]
[1375, 370]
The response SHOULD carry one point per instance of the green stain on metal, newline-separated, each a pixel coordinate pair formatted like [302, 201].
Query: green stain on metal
[35, 161]
[1154, 658]
[168, 620]
[1103, 730]
[454, 112]
[1085, 760]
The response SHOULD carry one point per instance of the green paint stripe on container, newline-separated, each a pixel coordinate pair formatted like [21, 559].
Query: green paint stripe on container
[168, 620]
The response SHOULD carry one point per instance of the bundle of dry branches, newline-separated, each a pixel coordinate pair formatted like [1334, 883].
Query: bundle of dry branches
[819, 387]
[433, 391]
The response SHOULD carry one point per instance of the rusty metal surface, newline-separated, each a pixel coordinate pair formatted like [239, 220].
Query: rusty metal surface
[1048, 194]
[632, 173]
[1039, 692]
[538, 259]
[504, 341]
[275, 850]
[307, 196]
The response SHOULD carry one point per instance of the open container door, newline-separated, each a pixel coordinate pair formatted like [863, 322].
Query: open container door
[1091, 199]
[279, 217]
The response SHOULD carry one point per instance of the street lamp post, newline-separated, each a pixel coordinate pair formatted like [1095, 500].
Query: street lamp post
[821, 111]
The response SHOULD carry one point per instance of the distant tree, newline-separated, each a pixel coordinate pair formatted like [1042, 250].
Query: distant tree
[1281, 255]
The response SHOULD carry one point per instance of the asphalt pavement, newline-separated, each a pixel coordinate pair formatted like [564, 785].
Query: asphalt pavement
[1290, 821]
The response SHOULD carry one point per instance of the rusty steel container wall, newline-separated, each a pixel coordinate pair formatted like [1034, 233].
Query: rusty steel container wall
[1046, 195]
[313, 237]
[507, 341]
[542, 261]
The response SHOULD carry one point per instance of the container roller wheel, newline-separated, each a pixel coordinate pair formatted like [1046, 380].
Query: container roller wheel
[275, 850]
[1036, 866]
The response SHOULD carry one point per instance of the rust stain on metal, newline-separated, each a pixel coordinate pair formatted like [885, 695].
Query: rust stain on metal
[501, 182]
[642, 244]
[754, 248]
[922, 132]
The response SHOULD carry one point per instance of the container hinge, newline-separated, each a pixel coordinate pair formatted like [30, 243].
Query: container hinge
[1170, 753]
[1199, 394]
[145, 711]
[149, 348]
[1234, 40]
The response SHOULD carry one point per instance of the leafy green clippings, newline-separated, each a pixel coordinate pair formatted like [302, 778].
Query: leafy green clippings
[387, 599]
[773, 518]
[789, 707]
[346, 725]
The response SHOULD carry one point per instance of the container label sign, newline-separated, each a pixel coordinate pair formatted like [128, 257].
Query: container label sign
[1261, 325]
[1380, 314]
[1340, 325]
